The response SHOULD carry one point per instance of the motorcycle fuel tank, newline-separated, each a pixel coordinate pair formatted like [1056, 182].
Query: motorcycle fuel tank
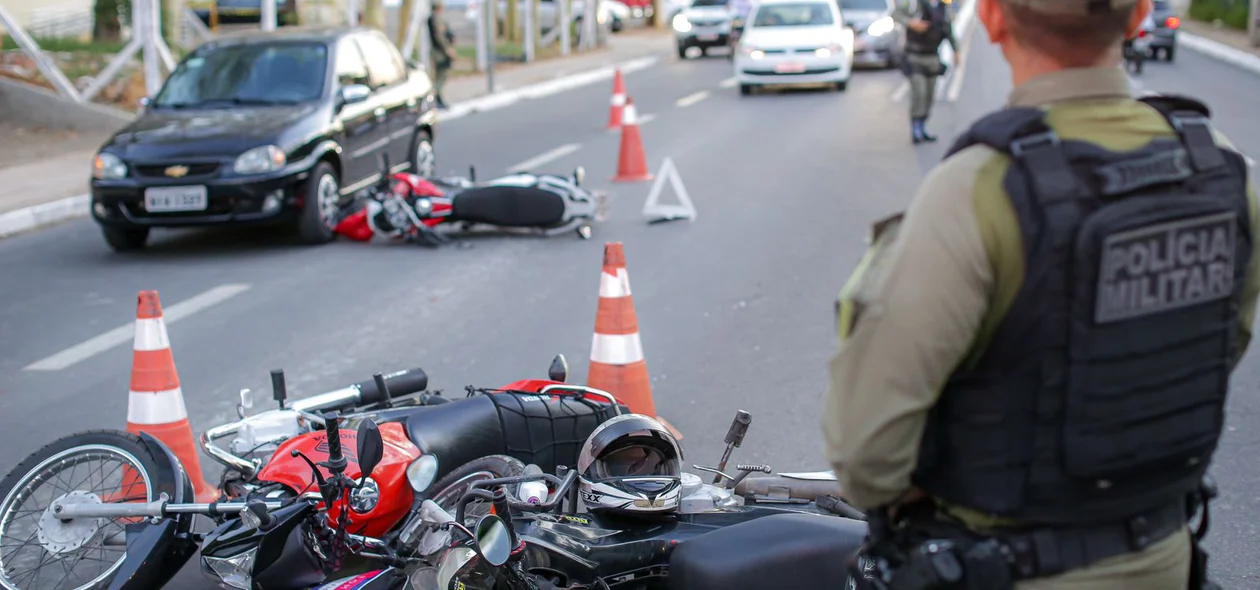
[386, 498]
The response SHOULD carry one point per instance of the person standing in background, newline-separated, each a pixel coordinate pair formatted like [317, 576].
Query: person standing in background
[443, 44]
[928, 24]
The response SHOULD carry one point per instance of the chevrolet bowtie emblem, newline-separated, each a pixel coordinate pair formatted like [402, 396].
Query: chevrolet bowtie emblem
[176, 171]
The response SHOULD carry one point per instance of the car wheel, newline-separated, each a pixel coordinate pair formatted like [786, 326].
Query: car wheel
[320, 210]
[704, 52]
[842, 85]
[682, 52]
[126, 239]
[745, 89]
[1169, 53]
[423, 157]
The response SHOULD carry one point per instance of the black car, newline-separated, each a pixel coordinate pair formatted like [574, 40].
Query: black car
[1164, 37]
[277, 127]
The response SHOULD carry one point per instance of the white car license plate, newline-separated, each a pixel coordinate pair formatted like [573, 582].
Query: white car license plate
[163, 199]
[789, 68]
[707, 37]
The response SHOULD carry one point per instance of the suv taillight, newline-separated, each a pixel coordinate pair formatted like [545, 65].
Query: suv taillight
[1172, 22]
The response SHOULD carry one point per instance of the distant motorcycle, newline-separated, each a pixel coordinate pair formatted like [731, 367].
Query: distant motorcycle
[407, 207]
[1138, 49]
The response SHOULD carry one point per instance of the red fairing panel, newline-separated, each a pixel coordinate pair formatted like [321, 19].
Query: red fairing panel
[390, 475]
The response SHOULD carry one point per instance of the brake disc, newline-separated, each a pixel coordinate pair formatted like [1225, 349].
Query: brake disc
[59, 535]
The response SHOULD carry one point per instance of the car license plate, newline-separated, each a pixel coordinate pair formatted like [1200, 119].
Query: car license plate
[707, 37]
[789, 68]
[165, 199]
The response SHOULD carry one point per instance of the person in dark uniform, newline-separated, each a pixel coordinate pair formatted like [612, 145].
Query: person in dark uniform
[442, 42]
[1034, 358]
[928, 24]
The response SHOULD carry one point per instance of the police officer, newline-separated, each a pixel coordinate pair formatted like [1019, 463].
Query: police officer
[928, 24]
[443, 44]
[1039, 350]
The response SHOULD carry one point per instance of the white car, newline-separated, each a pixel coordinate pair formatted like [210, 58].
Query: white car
[794, 42]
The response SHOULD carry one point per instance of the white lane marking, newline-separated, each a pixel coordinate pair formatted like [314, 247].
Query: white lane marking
[645, 119]
[902, 90]
[691, 99]
[90, 348]
[729, 82]
[545, 157]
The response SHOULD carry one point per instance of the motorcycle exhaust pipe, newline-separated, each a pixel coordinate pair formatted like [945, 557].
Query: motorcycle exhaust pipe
[777, 488]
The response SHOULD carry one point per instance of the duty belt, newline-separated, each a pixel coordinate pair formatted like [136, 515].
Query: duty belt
[1043, 552]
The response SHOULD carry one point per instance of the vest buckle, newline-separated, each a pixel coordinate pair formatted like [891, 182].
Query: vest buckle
[1032, 142]
[1139, 532]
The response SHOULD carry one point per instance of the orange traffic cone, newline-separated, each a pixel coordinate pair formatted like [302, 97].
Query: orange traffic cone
[632, 165]
[618, 101]
[617, 364]
[156, 402]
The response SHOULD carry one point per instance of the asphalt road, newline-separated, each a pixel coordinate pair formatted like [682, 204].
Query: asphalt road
[735, 308]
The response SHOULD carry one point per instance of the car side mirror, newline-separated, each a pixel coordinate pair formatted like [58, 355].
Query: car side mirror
[371, 447]
[143, 103]
[354, 93]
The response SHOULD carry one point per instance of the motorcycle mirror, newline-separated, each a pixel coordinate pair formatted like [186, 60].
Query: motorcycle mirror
[371, 447]
[278, 391]
[494, 541]
[452, 562]
[422, 472]
[579, 175]
[559, 370]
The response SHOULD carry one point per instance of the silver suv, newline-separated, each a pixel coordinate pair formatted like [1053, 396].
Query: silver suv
[876, 37]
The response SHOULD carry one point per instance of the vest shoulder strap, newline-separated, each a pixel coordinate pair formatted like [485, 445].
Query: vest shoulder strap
[1190, 119]
[1022, 134]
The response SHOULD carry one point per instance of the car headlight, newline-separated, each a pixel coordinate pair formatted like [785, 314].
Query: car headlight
[681, 24]
[881, 27]
[235, 571]
[107, 166]
[266, 158]
[751, 51]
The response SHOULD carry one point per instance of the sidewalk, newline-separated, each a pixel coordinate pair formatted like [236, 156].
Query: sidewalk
[1224, 35]
[41, 170]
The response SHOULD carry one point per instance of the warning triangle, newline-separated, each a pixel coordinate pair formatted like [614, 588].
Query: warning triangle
[656, 211]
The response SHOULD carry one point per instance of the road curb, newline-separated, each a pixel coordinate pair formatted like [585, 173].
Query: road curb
[1221, 52]
[511, 96]
[37, 216]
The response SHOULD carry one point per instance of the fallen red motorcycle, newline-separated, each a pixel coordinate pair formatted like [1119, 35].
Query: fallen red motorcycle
[407, 207]
[314, 488]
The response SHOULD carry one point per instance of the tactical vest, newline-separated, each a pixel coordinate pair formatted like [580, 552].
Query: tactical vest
[929, 41]
[1102, 392]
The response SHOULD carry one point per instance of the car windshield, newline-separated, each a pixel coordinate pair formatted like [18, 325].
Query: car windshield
[277, 73]
[796, 14]
[880, 5]
[703, 3]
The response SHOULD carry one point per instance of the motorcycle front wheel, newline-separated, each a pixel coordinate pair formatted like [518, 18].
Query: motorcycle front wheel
[39, 551]
[455, 484]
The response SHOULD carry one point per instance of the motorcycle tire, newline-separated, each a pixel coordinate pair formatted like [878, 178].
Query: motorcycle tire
[39, 468]
[453, 485]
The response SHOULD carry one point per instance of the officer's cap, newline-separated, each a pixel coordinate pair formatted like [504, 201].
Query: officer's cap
[1075, 7]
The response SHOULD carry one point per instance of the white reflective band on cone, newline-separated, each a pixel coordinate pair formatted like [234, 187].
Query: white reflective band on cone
[628, 116]
[612, 287]
[156, 407]
[620, 349]
[151, 334]
[619, 100]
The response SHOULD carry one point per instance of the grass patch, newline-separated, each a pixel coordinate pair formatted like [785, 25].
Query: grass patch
[68, 45]
[1233, 13]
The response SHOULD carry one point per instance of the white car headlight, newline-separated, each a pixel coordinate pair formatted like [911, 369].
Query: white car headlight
[751, 51]
[881, 27]
[236, 571]
[107, 166]
[828, 51]
[681, 24]
[267, 158]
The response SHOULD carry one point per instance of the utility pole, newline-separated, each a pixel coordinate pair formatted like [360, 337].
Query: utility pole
[1253, 23]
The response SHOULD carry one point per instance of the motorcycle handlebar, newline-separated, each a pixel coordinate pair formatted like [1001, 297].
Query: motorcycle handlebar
[475, 491]
[399, 384]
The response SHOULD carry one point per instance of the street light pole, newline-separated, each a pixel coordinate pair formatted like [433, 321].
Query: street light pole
[1253, 23]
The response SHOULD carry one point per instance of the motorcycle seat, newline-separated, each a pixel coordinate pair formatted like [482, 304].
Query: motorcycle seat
[509, 206]
[780, 551]
[534, 429]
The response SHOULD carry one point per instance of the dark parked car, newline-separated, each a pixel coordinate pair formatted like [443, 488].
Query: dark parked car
[266, 128]
[1164, 37]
